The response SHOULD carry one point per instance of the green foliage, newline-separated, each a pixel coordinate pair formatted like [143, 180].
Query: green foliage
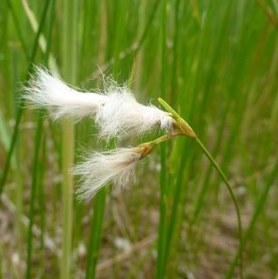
[216, 63]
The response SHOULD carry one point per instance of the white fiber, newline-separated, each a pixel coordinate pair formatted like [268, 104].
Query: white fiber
[47, 91]
[116, 111]
[101, 168]
[122, 116]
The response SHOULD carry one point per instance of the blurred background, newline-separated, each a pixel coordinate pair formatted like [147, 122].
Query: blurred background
[216, 63]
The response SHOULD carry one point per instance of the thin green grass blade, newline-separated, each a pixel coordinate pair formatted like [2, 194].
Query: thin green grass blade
[95, 237]
[147, 28]
[37, 141]
[21, 109]
[18, 29]
[5, 137]
[69, 71]
[161, 245]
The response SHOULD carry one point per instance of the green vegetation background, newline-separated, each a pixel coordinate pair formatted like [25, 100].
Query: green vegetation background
[216, 63]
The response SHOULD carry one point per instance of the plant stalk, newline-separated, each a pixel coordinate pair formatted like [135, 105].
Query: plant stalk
[69, 70]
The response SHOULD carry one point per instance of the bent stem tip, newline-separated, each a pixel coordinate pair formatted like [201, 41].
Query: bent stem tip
[178, 120]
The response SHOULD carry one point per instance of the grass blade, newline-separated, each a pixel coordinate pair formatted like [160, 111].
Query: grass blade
[161, 264]
[69, 71]
[95, 237]
[20, 109]
[37, 141]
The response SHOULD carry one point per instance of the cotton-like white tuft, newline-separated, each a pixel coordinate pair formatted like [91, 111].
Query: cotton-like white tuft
[48, 91]
[101, 168]
[122, 116]
[116, 111]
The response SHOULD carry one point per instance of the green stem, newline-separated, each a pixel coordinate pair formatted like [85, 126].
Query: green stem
[229, 188]
[95, 237]
[163, 138]
[69, 71]
[33, 194]
[215, 165]
[176, 202]
[67, 197]
[162, 228]
[186, 130]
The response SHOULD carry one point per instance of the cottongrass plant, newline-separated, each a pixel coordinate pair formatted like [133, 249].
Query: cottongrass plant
[116, 166]
[115, 109]
[117, 114]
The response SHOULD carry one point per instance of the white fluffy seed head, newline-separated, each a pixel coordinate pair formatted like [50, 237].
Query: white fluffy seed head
[48, 91]
[100, 169]
[116, 111]
[122, 116]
